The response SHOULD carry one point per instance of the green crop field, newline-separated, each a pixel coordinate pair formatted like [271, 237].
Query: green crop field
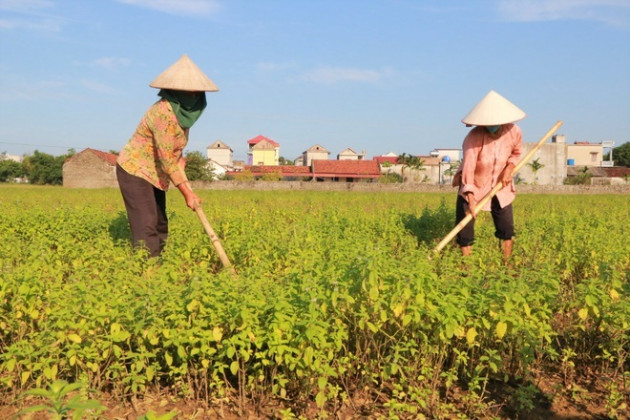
[339, 308]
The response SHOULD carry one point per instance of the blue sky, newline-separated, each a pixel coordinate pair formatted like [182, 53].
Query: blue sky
[374, 75]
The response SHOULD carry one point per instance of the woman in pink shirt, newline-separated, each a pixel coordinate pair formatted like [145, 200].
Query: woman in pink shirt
[491, 150]
[153, 158]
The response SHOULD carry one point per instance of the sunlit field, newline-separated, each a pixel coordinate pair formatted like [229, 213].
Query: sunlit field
[339, 308]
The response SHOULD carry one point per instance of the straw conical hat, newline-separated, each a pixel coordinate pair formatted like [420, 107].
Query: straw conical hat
[493, 109]
[184, 75]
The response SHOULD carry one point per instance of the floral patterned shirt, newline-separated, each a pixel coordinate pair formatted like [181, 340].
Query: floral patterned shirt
[484, 160]
[154, 151]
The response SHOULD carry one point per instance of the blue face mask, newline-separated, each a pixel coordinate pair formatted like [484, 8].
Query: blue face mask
[492, 128]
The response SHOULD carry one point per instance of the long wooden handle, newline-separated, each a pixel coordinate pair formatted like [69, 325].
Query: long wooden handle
[462, 224]
[215, 240]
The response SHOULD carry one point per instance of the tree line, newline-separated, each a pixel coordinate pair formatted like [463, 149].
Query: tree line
[44, 169]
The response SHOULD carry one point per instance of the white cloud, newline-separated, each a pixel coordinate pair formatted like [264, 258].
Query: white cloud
[24, 6]
[111, 63]
[269, 66]
[28, 14]
[329, 75]
[97, 86]
[613, 12]
[178, 7]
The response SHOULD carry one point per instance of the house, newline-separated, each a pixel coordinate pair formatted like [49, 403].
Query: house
[584, 153]
[345, 170]
[90, 169]
[220, 153]
[316, 152]
[15, 158]
[218, 170]
[349, 154]
[447, 155]
[388, 160]
[551, 163]
[263, 151]
[285, 172]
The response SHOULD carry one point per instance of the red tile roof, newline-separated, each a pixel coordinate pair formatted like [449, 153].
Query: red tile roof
[285, 169]
[346, 168]
[110, 158]
[260, 138]
[382, 159]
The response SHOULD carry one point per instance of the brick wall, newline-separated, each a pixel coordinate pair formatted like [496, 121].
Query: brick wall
[86, 170]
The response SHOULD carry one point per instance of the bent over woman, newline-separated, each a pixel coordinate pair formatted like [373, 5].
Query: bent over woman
[153, 158]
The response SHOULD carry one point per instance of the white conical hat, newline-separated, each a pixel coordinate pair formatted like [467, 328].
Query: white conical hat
[493, 109]
[184, 75]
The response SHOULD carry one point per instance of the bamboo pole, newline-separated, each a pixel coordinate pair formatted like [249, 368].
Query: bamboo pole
[495, 189]
[215, 240]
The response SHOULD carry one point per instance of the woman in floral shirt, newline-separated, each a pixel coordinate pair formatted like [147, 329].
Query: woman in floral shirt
[491, 151]
[153, 157]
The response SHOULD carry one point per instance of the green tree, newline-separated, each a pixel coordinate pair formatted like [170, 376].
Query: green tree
[390, 178]
[10, 169]
[284, 161]
[582, 178]
[411, 162]
[621, 155]
[197, 168]
[272, 176]
[42, 168]
[535, 166]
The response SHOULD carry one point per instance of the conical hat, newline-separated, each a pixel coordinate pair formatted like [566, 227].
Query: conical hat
[184, 75]
[493, 109]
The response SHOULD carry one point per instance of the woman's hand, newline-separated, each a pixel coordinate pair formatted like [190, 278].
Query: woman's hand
[472, 203]
[192, 200]
[506, 175]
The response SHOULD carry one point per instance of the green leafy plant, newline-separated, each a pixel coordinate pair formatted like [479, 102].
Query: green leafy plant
[60, 404]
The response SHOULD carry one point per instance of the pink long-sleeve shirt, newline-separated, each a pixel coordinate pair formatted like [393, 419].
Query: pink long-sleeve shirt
[484, 160]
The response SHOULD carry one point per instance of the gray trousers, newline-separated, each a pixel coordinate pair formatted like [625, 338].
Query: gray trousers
[146, 210]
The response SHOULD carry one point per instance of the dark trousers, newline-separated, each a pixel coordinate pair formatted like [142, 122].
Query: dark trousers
[146, 210]
[503, 221]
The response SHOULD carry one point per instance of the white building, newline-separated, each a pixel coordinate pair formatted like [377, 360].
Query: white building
[349, 154]
[316, 152]
[220, 153]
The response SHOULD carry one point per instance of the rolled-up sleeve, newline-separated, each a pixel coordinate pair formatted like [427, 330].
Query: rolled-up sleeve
[517, 147]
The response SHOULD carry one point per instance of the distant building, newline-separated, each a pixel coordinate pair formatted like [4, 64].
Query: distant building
[345, 170]
[218, 170]
[263, 151]
[349, 154]
[553, 158]
[316, 152]
[285, 172]
[584, 153]
[239, 165]
[451, 155]
[220, 153]
[90, 169]
[389, 159]
[15, 158]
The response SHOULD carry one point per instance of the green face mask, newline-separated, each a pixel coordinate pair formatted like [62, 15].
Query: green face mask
[187, 106]
[492, 128]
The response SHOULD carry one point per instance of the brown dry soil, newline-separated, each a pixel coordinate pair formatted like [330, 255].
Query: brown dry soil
[586, 399]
